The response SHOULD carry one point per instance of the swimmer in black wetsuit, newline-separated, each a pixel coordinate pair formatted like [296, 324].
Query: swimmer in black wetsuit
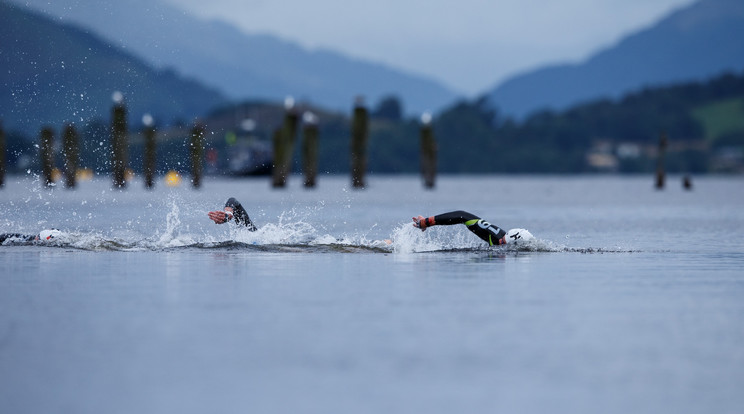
[16, 237]
[233, 210]
[493, 235]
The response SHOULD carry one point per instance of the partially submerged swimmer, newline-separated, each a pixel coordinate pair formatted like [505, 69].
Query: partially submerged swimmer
[44, 235]
[233, 210]
[491, 234]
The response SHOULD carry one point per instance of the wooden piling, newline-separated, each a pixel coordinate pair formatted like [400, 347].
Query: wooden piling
[284, 139]
[47, 155]
[3, 156]
[687, 182]
[660, 169]
[71, 145]
[277, 178]
[310, 149]
[197, 154]
[359, 135]
[149, 160]
[428, 152]
[119, 145]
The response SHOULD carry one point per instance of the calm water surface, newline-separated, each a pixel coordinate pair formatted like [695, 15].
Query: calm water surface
[631, 299]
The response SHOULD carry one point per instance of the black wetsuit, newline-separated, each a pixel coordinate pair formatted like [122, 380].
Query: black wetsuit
[493, 235]
[240, 215]
[16, 236]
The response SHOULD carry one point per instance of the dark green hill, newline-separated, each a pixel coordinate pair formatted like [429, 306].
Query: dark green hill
[704, 123]
[52, 73]
[703, 120]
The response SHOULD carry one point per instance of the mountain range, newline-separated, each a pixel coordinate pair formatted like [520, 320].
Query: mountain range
[52, 73]
[692, 44]
[241, 65]
[62, 62]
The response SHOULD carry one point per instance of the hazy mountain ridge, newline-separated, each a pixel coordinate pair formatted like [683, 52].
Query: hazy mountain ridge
[247, 66]
[694, 43]
[53, 73]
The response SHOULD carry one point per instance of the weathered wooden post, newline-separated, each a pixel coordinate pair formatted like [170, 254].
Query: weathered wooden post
[197, 154]
[660, 170]
[149, 160]
[71, 145]
[687, 182]
[310, 148]
[359, 134]
[47, 156]
[284, 145]
[428, 152]
[277, 179]
[3, 156]
[119, 144]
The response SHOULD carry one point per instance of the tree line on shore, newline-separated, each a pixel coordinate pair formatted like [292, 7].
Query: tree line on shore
[704, 122]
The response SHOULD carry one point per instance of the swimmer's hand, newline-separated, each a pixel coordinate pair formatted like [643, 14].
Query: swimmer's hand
[221, 217]
[419, 222]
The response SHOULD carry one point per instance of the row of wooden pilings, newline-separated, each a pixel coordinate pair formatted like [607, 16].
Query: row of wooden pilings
[283, 143]
[119, 152]
[284, 139]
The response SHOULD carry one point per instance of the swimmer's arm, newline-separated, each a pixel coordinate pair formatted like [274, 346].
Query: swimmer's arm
[233, 209]
[241, 216]
[445, 219]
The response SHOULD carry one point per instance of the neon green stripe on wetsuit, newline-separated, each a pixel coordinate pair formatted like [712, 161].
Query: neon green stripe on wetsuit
[493, 235]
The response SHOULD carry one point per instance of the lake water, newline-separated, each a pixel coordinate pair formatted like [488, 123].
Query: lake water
[630, 299]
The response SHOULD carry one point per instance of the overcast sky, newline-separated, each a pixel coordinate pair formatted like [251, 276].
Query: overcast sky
[469, 45]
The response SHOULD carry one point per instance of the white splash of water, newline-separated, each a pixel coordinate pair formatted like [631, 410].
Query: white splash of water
[408, 239]
[290, 229]
[172, 236]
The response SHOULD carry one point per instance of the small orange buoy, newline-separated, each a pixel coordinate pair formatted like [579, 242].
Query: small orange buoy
[56, 175]
[172, 179]
[84, 174]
